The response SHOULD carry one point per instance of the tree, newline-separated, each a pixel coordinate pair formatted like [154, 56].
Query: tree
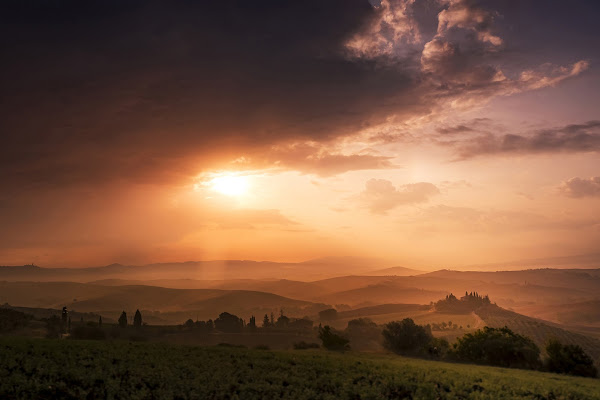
[569, 359]
[266, 321]
[229, 323]
[189, 323]
[332, 341]
[123, 320]
[64, 319]
[252, 323]
[282, 321]
[137, 319]
[406, 337]
[100, 321]
[498, 346]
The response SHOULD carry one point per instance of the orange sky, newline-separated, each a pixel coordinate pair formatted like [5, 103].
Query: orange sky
[431, 140]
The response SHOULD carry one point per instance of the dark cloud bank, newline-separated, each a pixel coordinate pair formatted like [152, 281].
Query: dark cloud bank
[100, 89]
[158, 91]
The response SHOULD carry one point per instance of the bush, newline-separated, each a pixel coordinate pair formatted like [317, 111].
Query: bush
[498, 346]
[438, 348]
[569, 359]
[406, 337]
[11, 320]
[302, 345]
[332, 341]
[87, 333]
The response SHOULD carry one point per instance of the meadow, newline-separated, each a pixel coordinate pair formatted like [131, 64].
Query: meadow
[48, 369]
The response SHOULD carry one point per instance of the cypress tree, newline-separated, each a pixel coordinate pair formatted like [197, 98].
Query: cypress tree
[137, 319]
[123, 320]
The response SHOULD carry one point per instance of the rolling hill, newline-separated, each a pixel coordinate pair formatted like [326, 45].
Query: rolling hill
[171, 305]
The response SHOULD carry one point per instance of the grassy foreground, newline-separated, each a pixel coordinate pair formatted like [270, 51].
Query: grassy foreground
[36, 368]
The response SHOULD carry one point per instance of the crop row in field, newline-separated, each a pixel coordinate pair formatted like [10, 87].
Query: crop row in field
[80, 369]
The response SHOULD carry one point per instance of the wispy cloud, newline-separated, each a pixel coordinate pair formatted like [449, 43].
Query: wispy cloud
[381, 196]
[581, 187]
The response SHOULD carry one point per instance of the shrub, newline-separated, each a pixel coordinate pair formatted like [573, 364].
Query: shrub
[438, 348]
[569, 359]
[87, 333]
[498, 346]
[332, 341]
[302, 345]
[406, 337]
[11, 320]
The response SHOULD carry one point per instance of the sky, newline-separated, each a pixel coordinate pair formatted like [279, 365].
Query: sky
[432, 133]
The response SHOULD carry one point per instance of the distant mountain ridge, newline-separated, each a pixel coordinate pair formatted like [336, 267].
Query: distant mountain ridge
[200, 270]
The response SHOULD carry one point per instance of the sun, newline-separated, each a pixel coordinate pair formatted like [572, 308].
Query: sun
[230, 185]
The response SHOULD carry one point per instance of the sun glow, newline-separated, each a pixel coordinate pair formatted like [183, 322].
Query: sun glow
[230, 185]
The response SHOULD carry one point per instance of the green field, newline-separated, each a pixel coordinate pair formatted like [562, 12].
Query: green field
[38, 368]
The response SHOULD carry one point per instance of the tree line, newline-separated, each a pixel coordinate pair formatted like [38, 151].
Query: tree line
[499, 347]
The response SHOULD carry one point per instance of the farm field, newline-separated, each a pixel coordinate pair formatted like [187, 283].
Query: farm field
[539, 331]
[36, 368]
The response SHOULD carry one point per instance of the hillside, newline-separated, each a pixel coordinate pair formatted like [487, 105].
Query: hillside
[173, 305]
[73, 369]
[538, 330]
[578, 314]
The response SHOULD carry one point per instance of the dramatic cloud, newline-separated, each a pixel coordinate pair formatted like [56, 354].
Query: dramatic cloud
[461, 60]
[570, 138]
[380, 195]
[392, 34]
[157, 92]
[581, 187]
[466, 15]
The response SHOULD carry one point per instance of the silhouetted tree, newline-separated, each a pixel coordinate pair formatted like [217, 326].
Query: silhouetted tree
[100, 321]
[498, 346]
[333, 341]
[569, 359]
[406, 337]
[137, 319]
[266, 321]
[189, 323]
[282, 321]
[229, 323]
[272, 321]
[64, 320]
[123, 320]
[252, 323]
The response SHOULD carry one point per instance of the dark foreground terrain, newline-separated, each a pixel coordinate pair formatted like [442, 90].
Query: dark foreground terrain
[52, 369]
